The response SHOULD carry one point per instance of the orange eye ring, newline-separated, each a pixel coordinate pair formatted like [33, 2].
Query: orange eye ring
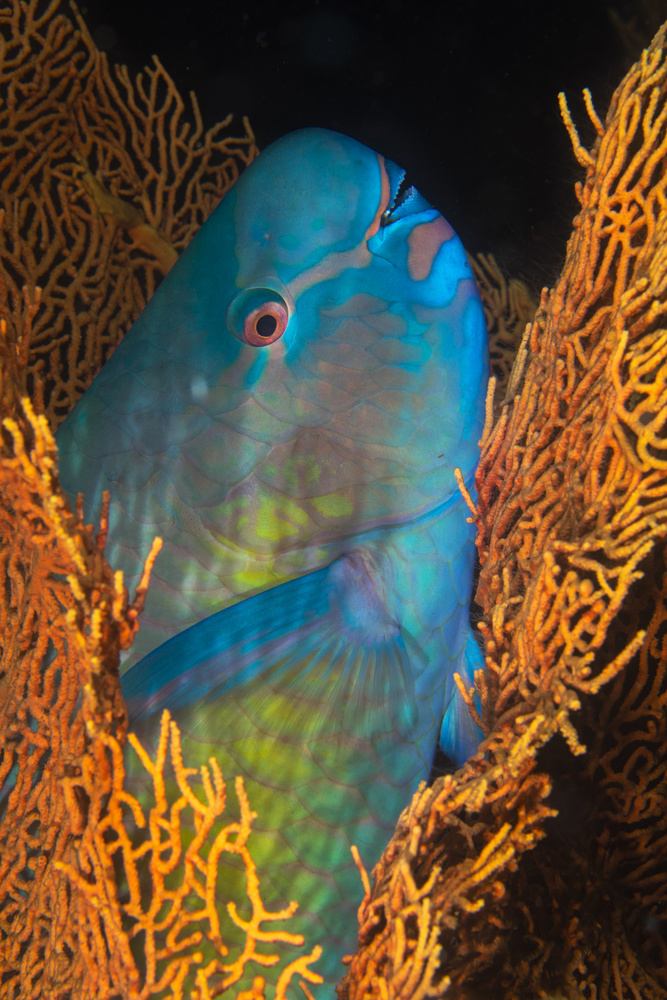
[265, 324]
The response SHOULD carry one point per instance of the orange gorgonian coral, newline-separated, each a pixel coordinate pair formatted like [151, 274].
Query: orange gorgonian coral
[492, 886]
[73, 922]
[103, 180]
[63, 618]
[65, 927]
[167, 927]
[484, 891]
[508, 306]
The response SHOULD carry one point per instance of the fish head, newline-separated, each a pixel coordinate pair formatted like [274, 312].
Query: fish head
[331, 331]
[311, 368]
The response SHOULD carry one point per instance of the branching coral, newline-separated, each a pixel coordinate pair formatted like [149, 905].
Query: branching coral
[483, 890]
[572, 514]
[65, 927]
[508, 306]
[64, 617]
[69, 180]
[170, 923]
[103, 180]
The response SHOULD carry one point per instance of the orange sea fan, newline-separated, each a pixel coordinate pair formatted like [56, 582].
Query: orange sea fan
[482, 892]
[65, 924]
[103, 181]
[67, 928]
[508, 306]
[150, 944]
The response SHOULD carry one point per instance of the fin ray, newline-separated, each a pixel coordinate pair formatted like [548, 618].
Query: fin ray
[317, 655]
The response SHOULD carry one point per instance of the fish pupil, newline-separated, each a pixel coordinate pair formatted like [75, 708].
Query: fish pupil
[266, 325]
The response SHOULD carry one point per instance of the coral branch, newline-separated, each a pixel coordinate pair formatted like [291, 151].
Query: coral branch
[508, 306]
[170, 907]
[103, 181]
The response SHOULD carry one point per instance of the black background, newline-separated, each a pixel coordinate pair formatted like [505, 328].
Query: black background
[462, 95]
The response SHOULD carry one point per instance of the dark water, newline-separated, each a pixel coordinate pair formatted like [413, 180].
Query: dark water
[463, 95]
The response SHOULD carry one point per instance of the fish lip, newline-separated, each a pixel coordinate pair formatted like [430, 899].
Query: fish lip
[406, 201]
[397, 191]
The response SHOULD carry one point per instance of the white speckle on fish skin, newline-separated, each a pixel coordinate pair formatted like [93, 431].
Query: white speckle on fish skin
[198, 388]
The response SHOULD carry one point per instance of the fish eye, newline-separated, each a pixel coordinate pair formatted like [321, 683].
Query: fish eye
[265, 324]
[259, 315]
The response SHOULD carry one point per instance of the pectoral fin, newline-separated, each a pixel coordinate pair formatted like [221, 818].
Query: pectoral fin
[459, 735]
[319, 653]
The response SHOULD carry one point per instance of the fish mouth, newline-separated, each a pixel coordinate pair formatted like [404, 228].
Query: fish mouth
[404, 198]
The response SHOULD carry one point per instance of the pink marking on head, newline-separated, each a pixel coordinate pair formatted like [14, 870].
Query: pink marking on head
[385, 195]
[424, 242]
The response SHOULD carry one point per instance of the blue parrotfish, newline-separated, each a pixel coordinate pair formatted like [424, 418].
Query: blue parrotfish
[287, 414]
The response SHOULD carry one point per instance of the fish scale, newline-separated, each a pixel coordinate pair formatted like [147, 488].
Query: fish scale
[287, 414]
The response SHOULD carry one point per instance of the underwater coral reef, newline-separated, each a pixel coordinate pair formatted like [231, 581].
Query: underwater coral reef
[537, 870]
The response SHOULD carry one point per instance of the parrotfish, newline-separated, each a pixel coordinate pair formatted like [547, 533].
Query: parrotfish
[287, 413]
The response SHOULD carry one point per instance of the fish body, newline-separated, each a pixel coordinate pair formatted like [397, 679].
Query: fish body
[287, 414]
